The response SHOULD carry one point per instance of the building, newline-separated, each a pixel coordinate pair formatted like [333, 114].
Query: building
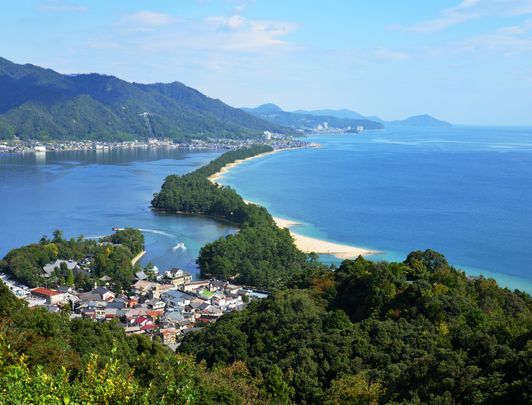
[50, 267]
[168, 336]
[52, 297]
[155, 304]
[143, 287]
[177, 276]
[194, 286]
[176, 298]
[104, 293]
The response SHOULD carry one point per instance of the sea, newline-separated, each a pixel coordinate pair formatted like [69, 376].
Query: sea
[90, 192]
[463, 191]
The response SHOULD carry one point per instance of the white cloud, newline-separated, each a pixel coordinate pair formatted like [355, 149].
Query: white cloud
[469, 10]
[507, 41]
[226, 23]
[60, 6]
[152, 32]
[389, 54]
[146, 21]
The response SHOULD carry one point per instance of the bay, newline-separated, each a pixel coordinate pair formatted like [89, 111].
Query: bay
[89, 192]
[463, 191]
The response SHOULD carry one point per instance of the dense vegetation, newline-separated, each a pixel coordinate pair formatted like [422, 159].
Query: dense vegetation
[49, 359]
[412, 332]
[111, 256]
[260, 254]
[42, 104]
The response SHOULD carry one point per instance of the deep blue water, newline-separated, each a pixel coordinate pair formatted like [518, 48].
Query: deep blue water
[463, 191]
[90, 192]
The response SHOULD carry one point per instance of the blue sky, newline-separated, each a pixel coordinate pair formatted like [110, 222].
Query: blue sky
[466, 61]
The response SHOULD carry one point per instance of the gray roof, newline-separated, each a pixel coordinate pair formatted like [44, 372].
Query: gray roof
[89, 296]
[140, 275]
[176, 294]
[173, 317]
[50, 267]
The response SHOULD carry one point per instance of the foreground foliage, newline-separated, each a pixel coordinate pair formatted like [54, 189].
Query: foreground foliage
[412, 332]
[47, 358]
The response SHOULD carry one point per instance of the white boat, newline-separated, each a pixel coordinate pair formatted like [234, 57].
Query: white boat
[180, 246]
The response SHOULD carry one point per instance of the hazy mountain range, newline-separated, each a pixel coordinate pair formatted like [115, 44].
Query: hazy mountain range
[40, 103]
[342, 118]
[309, 120]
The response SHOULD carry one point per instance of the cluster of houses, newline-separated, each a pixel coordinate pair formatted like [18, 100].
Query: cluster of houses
[164, 309]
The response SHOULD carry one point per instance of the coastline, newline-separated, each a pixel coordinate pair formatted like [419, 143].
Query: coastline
[137, 258]
[309, 244]
[220, 174]
[306, 244]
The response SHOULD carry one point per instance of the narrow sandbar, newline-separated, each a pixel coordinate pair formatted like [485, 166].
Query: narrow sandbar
[304, 243]
[308, 244]
[220, 174]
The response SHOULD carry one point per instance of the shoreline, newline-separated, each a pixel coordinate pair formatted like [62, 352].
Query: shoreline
[137, 258]
[224, 170]
[306, 244]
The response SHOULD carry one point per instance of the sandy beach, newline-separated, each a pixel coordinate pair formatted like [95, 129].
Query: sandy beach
[308, 244]
[137, 258]
[219, 175]
[304, 243]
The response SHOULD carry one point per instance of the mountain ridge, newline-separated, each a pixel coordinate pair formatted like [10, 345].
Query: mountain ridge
[308, 122]
[422, 120]
[39, 103]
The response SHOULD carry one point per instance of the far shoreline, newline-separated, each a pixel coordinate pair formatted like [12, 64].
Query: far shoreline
[306, 244]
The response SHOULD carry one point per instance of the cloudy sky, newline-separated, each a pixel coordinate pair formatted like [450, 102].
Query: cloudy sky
[466, 61]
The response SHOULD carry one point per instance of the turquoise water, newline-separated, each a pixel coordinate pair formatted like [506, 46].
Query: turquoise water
[90, 192]
[463, 191]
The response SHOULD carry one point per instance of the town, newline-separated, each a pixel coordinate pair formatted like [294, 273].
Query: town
[277, 141]
[164, 307]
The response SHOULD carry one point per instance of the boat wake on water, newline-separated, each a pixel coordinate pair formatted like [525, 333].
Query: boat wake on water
[179, 246]
[157, 232]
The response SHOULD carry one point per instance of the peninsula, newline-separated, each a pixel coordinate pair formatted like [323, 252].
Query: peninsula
[304, 243]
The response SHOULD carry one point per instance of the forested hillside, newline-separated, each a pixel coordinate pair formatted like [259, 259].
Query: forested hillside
[260, 254]
[417, 332]
[38, 103]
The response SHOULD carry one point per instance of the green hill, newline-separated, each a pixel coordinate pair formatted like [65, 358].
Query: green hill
[39, 103]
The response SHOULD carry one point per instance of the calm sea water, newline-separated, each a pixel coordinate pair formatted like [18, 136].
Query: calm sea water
[90, 192]
[463, 191]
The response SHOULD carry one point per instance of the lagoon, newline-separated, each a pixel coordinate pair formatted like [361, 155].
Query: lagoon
[89, 192]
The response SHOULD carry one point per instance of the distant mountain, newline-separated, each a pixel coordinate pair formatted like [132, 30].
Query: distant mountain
[304, 121]
[341, 113]
[40, 103]
[420, 121]
[268, 108]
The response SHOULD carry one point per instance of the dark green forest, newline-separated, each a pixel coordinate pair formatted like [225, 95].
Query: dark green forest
[415, 332]
[368, 333]
[111, 257]
[39, 103]
[260, 254]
